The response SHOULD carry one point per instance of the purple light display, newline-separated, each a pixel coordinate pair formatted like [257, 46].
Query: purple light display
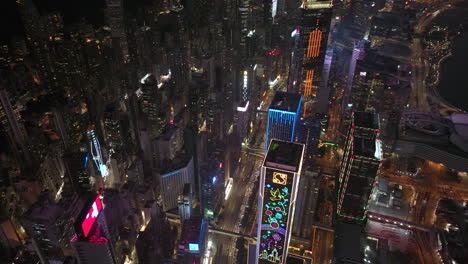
[275, 215]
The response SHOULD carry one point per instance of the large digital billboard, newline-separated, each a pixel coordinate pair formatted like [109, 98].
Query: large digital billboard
[275, 215]
[91, 216]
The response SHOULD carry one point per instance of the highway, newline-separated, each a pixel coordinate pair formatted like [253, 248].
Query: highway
[419, 95]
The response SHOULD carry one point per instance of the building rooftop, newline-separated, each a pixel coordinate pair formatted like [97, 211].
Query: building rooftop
[366, 119]
[284, 155]
[347, 243]
[283, 101]
[45, 210]
[179, 162]
[364, 147]
[192, 235]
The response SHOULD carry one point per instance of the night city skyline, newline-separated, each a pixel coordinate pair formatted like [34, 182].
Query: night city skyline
[233, 132]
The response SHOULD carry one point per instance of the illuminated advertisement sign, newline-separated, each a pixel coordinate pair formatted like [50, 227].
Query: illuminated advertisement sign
[275, 215]
[96, 152]
[91, 216]
[193, 247]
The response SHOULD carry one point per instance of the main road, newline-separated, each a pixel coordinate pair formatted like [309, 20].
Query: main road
[421, 68]
[249, 167]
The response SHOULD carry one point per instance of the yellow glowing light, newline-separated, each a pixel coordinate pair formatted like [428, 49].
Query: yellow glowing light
[308, 83]
[315, 39]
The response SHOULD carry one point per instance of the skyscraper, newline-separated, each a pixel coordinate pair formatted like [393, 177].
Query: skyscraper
[282, 117]
[360, 166]
[358, 54]
[173, 180]
[314, 29]
[46, 223]
[185, 203]
[308, 133]
[14, 128]
[92, 243]
[280, 176]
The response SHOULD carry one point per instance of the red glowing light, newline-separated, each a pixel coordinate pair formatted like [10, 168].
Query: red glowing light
[275, 225]
[278, 209]
[220, 164]
[268, 212]
[91, 217]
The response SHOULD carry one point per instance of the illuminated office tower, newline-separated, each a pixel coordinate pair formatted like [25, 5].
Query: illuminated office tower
[314, 30]
[360, 167]
[173, 179]
[91, 242]
[279, 178]
[358, 54]
[185, 203]
[282, 117]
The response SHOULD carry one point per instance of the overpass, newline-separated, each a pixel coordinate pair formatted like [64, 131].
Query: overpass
[231, 234]
[259, 152]
[385, 219]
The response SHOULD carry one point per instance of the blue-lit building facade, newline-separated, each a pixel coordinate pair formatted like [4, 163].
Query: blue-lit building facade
[173, 182]
[279, 179]
[283, 114]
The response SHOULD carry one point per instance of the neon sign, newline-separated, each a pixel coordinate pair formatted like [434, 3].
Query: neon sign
[96, 152]
[91, 216]
[275, 215]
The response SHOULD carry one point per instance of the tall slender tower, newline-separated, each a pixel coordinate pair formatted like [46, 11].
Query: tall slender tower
[314, 30]
[282, 117]
[360, 167]
[280, 176]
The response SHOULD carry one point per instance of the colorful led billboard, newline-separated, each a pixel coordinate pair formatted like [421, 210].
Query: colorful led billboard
[91, 216]
[193, 247]
[275, 215]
